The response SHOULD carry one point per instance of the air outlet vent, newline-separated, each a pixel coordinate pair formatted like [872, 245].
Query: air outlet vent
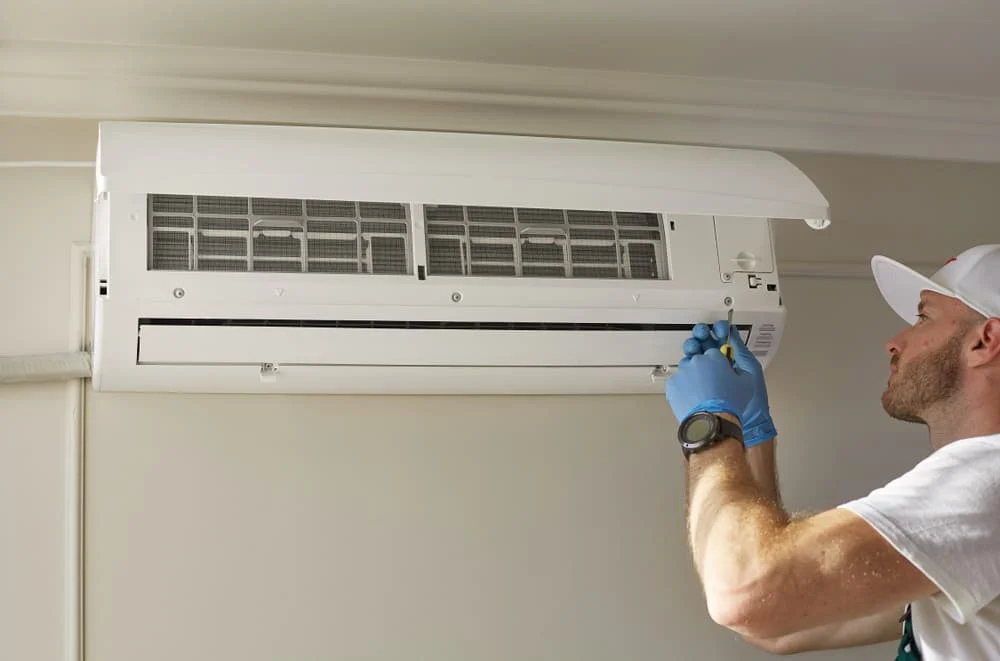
[426, 324]
[546, 243]
[213, 233]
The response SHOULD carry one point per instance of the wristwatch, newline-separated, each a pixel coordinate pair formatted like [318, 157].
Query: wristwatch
[703, 429]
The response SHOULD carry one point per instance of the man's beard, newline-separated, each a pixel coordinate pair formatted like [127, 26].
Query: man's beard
[931, 379]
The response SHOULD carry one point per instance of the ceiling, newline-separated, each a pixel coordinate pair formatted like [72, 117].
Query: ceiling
[927, 46]
[912, 78]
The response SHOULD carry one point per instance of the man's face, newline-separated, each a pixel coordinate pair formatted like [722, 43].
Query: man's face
[926, 359]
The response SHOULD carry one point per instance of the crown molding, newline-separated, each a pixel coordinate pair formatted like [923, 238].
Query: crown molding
[840, 270]
[105, 81]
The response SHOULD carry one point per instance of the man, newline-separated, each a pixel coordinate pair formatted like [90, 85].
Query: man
[917, 560]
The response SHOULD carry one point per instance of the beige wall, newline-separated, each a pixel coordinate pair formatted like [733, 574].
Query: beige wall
[250, 528]
[43, 213]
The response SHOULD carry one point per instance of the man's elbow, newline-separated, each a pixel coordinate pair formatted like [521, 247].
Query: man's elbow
[780, 646]
[750, 613]
[740, 614]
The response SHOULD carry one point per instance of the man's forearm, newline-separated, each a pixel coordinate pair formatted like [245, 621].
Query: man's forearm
[732, 522]
[764, 467]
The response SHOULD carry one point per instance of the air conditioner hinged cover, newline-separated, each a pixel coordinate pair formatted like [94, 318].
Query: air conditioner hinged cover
[292, 259]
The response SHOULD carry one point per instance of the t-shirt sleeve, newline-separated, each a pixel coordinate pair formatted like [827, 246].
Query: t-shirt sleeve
[944, 516]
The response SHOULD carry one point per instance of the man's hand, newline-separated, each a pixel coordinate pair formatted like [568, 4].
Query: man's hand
[756, 417]
[707, 382]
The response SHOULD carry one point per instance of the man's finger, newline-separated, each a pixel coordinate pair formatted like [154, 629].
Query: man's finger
[721, 330]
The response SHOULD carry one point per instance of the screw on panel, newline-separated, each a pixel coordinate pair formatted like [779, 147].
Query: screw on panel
[727, 277]
[727, 301]
[456, 297]
[178, 293]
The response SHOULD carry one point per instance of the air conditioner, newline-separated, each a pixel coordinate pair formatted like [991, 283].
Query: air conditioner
[275, 259]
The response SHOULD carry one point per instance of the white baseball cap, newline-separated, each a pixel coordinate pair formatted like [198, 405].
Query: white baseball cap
[972, 277]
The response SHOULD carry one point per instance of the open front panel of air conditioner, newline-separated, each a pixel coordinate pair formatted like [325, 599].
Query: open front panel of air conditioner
[277, 259]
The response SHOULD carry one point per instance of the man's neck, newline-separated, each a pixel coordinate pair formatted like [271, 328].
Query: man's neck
[957, 421]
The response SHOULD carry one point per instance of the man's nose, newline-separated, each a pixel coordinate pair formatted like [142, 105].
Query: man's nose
[895, 345]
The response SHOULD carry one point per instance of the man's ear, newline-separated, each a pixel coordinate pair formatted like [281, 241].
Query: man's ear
[987, 344]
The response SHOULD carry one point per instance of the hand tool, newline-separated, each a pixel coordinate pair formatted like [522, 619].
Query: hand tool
[727, 347]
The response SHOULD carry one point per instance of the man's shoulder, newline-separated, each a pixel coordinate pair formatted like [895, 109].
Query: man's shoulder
[964, 452]
[966, 467]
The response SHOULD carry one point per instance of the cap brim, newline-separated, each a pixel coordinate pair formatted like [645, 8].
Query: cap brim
[901, 286]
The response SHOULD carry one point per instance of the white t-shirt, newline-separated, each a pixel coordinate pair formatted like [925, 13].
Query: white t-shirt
[944, 516]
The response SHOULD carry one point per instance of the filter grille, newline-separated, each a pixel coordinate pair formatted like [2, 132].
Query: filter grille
[287, 235]
[217, 233]
[548, 243]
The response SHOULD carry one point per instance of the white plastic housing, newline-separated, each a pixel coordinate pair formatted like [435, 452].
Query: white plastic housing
[182, 329]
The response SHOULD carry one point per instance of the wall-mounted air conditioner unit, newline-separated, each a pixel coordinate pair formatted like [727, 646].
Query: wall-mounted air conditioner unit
[265, 259]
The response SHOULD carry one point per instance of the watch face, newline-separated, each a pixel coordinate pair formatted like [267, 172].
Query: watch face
[699, 427]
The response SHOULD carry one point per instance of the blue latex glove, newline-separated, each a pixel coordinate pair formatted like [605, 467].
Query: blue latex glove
[707, 382]
[757, 424]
